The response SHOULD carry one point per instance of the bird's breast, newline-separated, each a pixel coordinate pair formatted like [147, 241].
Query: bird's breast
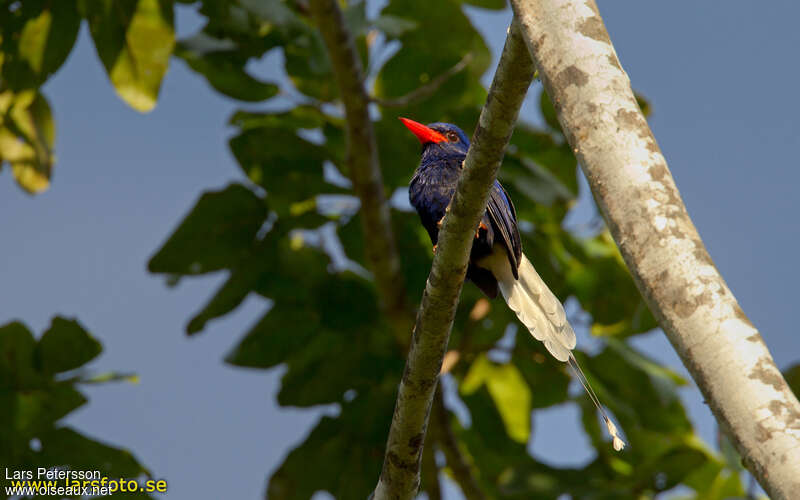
[430, 192]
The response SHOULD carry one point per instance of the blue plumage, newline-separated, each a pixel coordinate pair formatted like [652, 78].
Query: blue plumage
[496, 262]
[444, 147]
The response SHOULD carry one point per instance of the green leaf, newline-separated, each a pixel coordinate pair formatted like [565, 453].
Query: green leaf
[549, 162]
[331, 342]
[308, 66]
[345, 452]
[34, 400]
[645, 364]
[510, 394]
[288, 167]
[224, 71]
[394, 26]
[37, 410]
[66, 346]
[134, 40]
[403, 73]
[305, 57]
[642, 397]
[299, 117]
[547, 378]
[549, 112]
[27, 140]
[792, 376]
[714, 482]
[644, 104]
[217, 232]
[280, 333]
[503, 467]
[66, 447]
[17, 353]
[487, 4]
[355, 18]
[38, 37]
[593, 266]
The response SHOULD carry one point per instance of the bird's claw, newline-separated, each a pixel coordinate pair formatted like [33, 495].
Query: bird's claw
[441, 221]
[481, 226]
[434, 248]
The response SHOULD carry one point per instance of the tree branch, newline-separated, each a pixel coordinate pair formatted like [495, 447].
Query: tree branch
[400, 476]
[462, 472]
[638, 198]
[430, 471]
[363, 165]
[426, 90]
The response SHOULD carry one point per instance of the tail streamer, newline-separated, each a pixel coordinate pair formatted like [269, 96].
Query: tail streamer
[543, 315]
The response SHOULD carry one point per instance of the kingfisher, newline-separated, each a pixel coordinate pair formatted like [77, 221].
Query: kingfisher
[496, 262]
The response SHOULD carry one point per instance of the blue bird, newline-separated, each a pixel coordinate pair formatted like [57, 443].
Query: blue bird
[496, 260]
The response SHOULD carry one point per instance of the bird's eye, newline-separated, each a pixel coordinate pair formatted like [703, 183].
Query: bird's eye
[452, 136]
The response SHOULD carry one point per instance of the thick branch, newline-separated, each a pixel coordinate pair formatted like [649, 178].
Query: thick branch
[362, 161]
[400, 475]
[635, 191]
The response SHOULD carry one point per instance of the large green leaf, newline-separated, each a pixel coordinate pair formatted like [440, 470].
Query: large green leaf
[404, 73]
[503, 467]
[35, 399]
[289, 167]
[65, 446]
[551, 167]
[27, 137]
[277, 266]
[37, 38]
[17, 355]
[598, 277]
[66, 346]
[344, 452]
[223, 70]
[487, 4]
[217, 232]
[509, 391]
[134, 40]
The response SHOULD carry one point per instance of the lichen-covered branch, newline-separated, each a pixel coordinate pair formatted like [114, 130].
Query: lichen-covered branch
[400, 476]
[363, 166]
[630, 180]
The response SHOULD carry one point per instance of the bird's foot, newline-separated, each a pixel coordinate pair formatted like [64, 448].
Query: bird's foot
[446, 211]
[434, 248]
[481, 227]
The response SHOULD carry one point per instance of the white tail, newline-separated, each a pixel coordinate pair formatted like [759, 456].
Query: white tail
[544, 317]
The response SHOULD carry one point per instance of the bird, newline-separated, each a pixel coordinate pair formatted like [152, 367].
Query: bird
[496, 262]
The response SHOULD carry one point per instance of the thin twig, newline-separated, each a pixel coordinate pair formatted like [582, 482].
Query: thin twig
[430, 471]
[461, 470]
[426, 90]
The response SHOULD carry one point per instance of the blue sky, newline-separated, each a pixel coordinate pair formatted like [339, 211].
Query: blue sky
[722, 79]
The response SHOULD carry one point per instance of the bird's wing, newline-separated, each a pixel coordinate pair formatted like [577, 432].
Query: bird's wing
[504, 219]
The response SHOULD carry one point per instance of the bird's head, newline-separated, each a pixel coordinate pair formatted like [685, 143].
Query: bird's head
[439, 139]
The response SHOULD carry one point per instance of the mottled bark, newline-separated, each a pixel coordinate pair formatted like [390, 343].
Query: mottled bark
[400, 476]
[628, 174]
[363, 166]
